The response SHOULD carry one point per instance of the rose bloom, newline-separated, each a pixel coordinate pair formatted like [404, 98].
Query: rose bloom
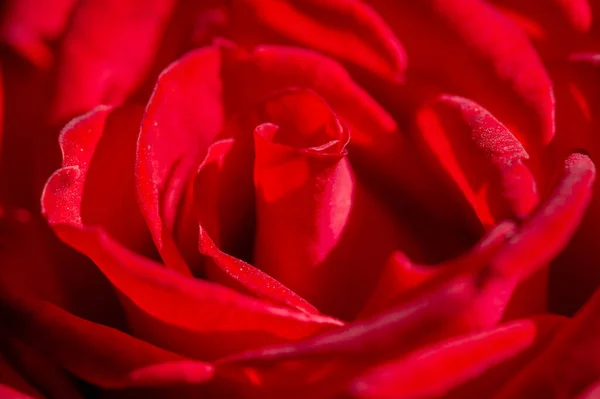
[300, 199]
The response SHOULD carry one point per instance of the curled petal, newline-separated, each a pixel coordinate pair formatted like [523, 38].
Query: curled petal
[552, 225]
[482, 157]
[164, 162]
[316, 227]
[225, 202]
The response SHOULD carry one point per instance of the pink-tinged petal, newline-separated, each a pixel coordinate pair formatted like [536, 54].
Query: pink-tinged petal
[158, 298]
[574, 275]
[101, 355]
[13, 385]
[555, 26]
[485, 57]
[183, 116]
[316, 226]
[224, 199]
[28, 25]
[348, 30]
[434, 370]
[550, 228]
[494, 378]
[568, 366]
[481, 156]
[48, 376]
[107, 52]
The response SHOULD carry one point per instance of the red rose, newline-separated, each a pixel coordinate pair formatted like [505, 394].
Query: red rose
[325, 199]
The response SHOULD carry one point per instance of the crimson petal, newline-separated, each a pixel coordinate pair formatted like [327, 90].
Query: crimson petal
[350, 31]
[107, 52]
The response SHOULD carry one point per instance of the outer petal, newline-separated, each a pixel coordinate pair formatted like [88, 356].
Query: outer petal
[98, 354]
[493, 379]
[348, 30]
[326, 363]
[433, 371]
[13, 385]
[485, 57]
[107, 52]
[28, 25]
[47, 375]
[568, 366]
[555, 26]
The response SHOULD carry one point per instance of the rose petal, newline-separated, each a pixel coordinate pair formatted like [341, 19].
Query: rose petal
[154, 291]
[568, 365]
[348, 30]
[316, 227]
[28, 25]
[101, 355]
[164, 163]
[549, 229]
[327, 362]
[51, 379]
[555, 26]
[492, 380]
[485, 57]
[107, 52]
[13, 385]
[434, 370]
[402, 275]
[224, 200]
[573, 275]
